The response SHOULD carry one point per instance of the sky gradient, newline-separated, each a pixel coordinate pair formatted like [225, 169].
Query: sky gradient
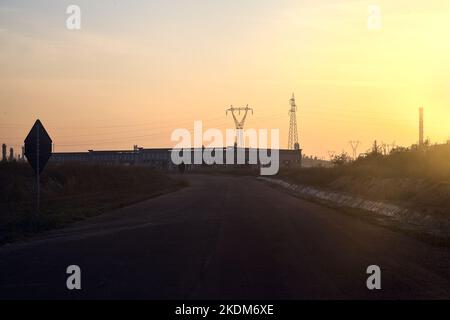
[139, 69]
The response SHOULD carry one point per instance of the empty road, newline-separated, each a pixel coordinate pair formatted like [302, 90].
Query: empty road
[224, 237]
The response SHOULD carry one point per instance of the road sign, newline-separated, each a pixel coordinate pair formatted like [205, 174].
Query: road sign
[38, 147]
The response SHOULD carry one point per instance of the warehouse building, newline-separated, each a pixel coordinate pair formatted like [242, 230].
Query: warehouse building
[160, 158]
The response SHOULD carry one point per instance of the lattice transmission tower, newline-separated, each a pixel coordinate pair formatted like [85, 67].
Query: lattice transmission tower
[293, 133]
[354, 144]
[239, 123]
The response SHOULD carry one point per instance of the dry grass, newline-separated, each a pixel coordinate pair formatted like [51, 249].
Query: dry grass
[418, 178]
[71, 193]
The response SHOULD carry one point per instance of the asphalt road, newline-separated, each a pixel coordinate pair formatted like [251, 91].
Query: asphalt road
[224, 238]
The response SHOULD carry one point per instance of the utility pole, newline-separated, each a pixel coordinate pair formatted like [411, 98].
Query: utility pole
[421, 126]
[38, 182]
[375, 148]
[293, 134]
[239, 123]
[354, 144]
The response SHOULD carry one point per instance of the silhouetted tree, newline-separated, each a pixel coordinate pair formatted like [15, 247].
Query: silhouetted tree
[341, 159]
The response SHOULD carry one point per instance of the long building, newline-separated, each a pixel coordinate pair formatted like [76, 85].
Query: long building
[160, 158]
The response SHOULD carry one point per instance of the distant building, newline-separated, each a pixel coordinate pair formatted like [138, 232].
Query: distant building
[161, 158]
[309, 162]
[11, 154]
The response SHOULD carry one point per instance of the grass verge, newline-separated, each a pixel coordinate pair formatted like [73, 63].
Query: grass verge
[71, 193]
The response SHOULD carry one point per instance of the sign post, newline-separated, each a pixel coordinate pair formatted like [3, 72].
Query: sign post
[38, 150]
[38, 191]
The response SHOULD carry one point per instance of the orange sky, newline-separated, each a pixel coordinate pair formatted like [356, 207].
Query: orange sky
[136, 71]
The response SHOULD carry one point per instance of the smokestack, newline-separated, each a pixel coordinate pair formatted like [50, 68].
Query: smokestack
[11, 154]
[421, 126]
[3, 152]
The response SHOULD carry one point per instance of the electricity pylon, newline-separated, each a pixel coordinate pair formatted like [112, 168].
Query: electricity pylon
[293, 134]
[239, 123]
[354, 145]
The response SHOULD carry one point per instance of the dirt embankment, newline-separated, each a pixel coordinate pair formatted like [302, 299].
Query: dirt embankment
[417, 178]
[407, 189]
[431, 225]
[417, 194]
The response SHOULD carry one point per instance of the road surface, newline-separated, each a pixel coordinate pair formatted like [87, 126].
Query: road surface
[224, 238]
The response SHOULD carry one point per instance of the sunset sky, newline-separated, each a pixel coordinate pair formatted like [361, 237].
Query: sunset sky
[139, 69]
